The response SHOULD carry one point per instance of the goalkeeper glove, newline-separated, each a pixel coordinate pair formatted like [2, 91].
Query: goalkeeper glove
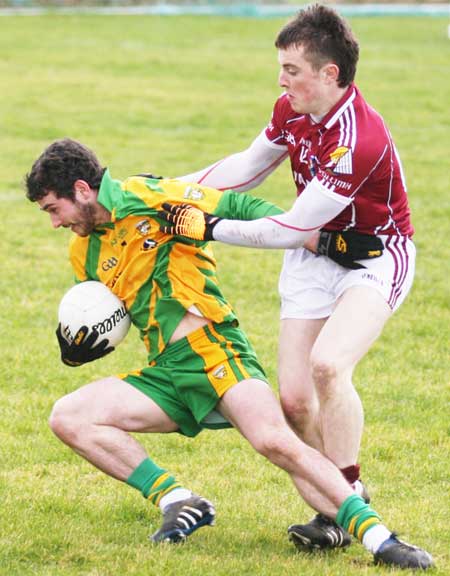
[81, 349]
[347, 247]
[189, 221]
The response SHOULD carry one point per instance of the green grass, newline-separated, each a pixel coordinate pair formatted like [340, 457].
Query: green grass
[169, 95]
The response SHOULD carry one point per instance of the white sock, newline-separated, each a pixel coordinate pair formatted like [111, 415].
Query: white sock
[174, 496]
[358, 487]
[374, 538]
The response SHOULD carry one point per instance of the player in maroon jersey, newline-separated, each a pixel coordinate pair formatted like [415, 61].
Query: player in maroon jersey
[348, 179]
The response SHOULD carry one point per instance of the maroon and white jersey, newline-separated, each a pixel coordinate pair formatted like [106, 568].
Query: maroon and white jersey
[351, 153]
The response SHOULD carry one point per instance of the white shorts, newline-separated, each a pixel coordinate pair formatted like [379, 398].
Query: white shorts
[310, 285]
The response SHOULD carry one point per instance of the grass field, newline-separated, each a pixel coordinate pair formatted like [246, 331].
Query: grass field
[169, 95]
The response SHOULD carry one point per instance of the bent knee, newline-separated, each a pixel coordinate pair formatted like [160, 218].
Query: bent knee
[63, 419]
[324, 372]
[274, 444]
[298, 409]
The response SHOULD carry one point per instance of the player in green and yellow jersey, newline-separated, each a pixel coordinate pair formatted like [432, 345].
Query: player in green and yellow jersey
[159, 279]
[202, 372]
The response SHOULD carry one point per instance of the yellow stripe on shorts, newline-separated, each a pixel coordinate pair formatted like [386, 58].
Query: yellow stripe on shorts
[217, 366]
[236, 359]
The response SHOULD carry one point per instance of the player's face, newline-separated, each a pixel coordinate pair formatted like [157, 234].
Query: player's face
[75, 214]
[305, 86]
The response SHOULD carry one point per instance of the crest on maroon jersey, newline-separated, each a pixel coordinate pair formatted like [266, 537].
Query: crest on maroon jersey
[341, 161]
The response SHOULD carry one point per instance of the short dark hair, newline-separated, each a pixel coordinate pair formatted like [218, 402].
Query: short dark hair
[325, 37]
[59, 166]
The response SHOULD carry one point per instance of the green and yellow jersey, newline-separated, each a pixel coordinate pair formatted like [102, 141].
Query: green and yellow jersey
[158, 276]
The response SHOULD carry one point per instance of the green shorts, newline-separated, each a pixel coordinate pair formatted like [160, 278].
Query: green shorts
[188, 379]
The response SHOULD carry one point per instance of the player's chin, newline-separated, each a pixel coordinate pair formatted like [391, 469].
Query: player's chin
[80, 230]
[295, 106]
[298, 105]
[300, 108]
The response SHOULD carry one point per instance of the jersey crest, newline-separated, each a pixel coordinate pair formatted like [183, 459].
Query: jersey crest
[143, 227]
[341, 161]
[193, 193]
[220, 372]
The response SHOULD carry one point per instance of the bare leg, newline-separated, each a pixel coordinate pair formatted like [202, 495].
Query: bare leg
[344, 339]
[316, 362]
[95, 420]
[297, 391]
[254, 410]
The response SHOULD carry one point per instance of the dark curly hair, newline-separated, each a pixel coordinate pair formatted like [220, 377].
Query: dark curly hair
[59, 166]
[325, 37]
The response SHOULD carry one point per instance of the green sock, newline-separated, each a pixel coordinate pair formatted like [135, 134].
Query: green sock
[356, 516]
[154, 482]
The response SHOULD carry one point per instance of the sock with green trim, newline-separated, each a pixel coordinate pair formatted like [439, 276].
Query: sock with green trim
[154, 482]
[361, 521]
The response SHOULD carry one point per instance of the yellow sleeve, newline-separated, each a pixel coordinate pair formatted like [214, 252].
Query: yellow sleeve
[145, 193]
[205, 198]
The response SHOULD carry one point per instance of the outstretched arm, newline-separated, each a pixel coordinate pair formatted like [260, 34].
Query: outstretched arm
[301, 226]
[243, 170]
[311, 211]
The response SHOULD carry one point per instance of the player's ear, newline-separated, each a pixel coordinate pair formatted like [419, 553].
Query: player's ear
[330, 73]
[82, 190]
